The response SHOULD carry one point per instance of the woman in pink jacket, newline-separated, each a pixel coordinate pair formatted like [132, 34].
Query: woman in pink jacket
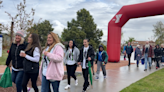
[52, 69]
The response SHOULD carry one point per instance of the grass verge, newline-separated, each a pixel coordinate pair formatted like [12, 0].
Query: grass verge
[152, 83]
[4, 57]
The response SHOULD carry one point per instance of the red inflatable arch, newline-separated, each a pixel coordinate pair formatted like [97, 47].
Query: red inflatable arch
[128, 12]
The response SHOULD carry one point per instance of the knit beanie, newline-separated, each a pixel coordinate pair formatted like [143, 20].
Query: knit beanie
[20, 33]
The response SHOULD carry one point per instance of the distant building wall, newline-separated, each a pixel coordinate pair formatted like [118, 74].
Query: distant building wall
[141, 43]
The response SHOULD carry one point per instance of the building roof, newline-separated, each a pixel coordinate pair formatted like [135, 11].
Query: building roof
[135, 43]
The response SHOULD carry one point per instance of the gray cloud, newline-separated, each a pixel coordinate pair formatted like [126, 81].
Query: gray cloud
[141, 29]
[127, 2]
[58, 12]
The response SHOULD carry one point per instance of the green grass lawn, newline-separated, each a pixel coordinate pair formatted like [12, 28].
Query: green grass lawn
[4, 57]
[152, 83]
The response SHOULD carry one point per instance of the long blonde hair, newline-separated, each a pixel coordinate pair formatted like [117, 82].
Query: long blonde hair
[56, 40]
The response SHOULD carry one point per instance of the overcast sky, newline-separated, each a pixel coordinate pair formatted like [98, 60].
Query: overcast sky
[58, 12]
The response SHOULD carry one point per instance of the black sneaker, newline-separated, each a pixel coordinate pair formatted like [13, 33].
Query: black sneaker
[137, 66]
[93, 74]
[145, 70]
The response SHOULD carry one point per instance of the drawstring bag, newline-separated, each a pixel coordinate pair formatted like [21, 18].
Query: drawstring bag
[6, 79]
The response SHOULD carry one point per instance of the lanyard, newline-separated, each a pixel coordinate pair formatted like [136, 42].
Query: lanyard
[85, 54]
[70, 54]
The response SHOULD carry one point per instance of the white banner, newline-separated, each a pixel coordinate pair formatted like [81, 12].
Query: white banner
[1, 45]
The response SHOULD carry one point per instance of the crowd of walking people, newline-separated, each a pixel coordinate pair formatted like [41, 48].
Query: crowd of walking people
[25, 57]
[150, 54]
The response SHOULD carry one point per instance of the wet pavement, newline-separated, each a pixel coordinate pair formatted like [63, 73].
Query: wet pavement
[131, 59]
[117, 79]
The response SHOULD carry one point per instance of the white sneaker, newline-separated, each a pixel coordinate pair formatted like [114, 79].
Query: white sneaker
[28, 89]
[67, 87]
[88, 88]
[76, 82]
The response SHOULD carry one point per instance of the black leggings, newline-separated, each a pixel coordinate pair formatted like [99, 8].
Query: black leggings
[71, 72]
[129, 56]
[157, 62]
[33, 77]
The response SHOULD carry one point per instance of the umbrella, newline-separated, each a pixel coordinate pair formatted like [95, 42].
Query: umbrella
[90, 73]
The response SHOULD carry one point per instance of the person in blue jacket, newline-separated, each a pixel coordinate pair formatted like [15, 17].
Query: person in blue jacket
[129, 50]
[101, 59]
[124, 52]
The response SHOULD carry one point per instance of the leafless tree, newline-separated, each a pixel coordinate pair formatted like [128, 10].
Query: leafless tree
[22, 20]
[159, 32]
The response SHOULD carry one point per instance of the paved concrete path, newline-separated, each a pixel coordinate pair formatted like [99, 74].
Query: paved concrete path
[117, 79]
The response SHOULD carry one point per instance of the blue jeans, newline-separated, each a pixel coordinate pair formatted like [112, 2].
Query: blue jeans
[17, 78]
[46, 85]
[162, 59]
[137, 62]
[147, 59]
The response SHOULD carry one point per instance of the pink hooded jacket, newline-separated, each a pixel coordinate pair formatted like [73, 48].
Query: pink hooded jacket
[55, 70]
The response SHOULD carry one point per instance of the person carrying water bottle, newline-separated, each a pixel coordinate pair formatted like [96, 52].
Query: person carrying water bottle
[71, 58]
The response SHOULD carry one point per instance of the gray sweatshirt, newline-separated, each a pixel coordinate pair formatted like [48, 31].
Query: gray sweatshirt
[75, 55]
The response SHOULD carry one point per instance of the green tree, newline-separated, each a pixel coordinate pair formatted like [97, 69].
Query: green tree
[83, 27]
[131, 39]
[42, 29]
[1, 3]
[0, 7]
[122, 34]
[104, 46]
[159, 32]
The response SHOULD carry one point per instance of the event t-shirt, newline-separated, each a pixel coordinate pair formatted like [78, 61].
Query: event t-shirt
[85, 51]
[70, 60]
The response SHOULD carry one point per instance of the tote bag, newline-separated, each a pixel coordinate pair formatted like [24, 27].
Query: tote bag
[6, 79]
[142, 61]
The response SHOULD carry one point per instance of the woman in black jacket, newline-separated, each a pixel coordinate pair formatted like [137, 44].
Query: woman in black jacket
[17, 61]
[86, 54]
[31, 62]
[129, 51]
[162, 54]
[158, 56]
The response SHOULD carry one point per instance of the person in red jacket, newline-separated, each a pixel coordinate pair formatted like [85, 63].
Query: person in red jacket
[147, 52]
